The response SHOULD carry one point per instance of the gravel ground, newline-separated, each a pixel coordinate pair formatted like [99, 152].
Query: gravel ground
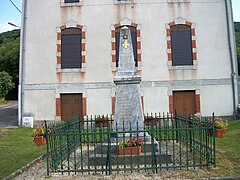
[38, 171]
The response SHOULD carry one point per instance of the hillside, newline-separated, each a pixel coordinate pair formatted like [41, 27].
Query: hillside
[9, 57]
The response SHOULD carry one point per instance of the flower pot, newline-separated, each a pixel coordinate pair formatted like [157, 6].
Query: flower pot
[39, 141]
[102, 123]
[130, 150]
[219, 133]
[150, 120]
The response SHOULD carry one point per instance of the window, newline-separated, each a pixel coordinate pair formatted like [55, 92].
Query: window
[178, 1]
[181, 45]
[71, 1]
[71, 48]
[122, 1]
[134, 43]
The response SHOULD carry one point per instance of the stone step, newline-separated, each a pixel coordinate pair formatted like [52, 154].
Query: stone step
[141, 159]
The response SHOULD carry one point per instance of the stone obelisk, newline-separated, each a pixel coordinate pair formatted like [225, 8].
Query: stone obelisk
[128, 107]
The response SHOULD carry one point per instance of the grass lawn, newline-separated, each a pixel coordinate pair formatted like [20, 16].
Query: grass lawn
[228, 150]
[227, 155]
[3, 102]
[17, 149]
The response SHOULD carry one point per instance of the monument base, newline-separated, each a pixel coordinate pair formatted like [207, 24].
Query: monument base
[149, 152]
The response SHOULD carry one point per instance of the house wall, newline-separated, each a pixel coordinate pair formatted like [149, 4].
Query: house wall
[44, 82]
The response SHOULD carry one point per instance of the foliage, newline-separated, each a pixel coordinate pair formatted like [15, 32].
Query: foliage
[103, 118]
[9, 56]
[6, 84]
[237, 35]
[41, 130]
[17, 149]
[220, 124]
[100, 118]
[131, 143]
[9, 36]
[237, 26]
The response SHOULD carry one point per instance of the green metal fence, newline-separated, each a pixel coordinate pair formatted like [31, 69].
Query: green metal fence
[92, 145]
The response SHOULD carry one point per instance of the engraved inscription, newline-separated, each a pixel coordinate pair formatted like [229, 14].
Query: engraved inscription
[125, 106]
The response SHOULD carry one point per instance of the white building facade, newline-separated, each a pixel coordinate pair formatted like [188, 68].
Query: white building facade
[184, 51]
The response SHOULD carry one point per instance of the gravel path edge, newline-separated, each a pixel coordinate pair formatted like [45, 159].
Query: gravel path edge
[25, 168]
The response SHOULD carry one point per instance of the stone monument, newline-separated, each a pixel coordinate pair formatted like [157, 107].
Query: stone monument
[128, 107]
[128, 114]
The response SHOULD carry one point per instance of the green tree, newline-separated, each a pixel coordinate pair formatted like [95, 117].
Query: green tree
[237, 35]
[9, 36]
[6, 84]
[9, 58]
[237, 26]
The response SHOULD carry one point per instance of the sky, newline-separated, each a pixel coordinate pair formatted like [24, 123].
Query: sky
[8, 13]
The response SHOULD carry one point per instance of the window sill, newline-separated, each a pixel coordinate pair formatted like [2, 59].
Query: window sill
[63, 4]
[123, 2]
[72, 70]
[186, 67]
[182, 1]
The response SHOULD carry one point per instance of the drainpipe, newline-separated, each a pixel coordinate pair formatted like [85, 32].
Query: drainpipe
[232, 52]
[22, 64]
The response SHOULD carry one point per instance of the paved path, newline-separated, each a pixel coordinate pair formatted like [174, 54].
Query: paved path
[9, 114]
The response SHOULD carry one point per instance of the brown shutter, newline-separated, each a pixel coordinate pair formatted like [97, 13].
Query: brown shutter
[71, 1]
[181, 45]
[71, 48]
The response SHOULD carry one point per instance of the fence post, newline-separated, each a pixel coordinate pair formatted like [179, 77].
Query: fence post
[45, 122]
[154, 161]
[176, 122]
[190, 123]
[214, 143]
[108, 163]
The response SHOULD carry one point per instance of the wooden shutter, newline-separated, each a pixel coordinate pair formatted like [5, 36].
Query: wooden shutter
[71, 1]
[134, 43]
[181, 39]
[117, 41]
[71, 48]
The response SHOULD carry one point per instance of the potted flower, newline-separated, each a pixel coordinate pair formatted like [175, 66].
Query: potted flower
[101, 121]
[149, 119]
[130, 146]
[39, 134]
[220, 127]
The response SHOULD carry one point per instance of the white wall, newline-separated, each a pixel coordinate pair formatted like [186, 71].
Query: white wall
[217, 99]
[40, 104]
[156, 100]
[44, 17]
[99, 102]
